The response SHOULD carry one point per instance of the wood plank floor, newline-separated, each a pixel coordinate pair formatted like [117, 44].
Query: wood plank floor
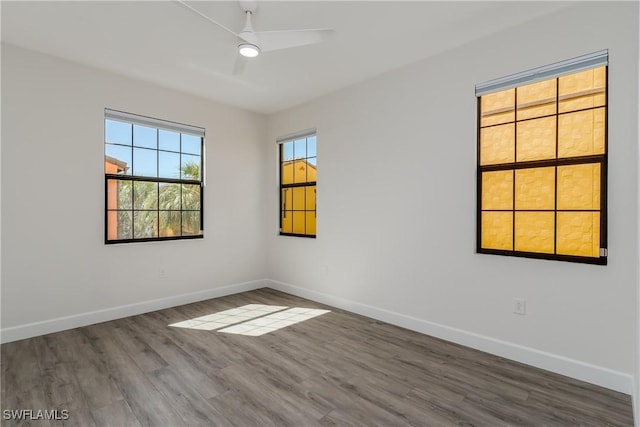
[338, 369]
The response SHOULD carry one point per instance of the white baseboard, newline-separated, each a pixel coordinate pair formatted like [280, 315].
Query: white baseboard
[29, 330]
[594, 374]
[583, 371]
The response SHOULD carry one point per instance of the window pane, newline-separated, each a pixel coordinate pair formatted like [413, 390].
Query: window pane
[310, 203]
[535, 188]
[311, 223]
[190, 197]
[112, 225]
[581, 133]
[585, 89]
[497, 107]
[170, 197]
[170, 223]
[168, 165]
[497, 190]
[117, 132]
[191, 144]
[190, 167]
[287, 199]
[168, 140]
[298, 198]
[497, 230]
[119, 194]
[537, 99]
[311, 170]
[579, 233]
[497, 144]
[287, 151]
[145, 224]
[190, 223]
[311, 146]
[287, 222]
[579, 187]
[124, 225]
[300, 149]
[537, 139]
[298, 222]
[117, 159]
[145, 195]
[286, 172]
[145, 162]
[300, 168]
[534, 232]
[145, 137]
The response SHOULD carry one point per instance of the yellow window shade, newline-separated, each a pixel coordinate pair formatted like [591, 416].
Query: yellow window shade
[585, 89]
[497, 144]
[535, 188]
[497, 107]
[536, 139]
[497, 190]
[579, 187]
[581, 133]
[578, 234]
[534, 232]
[537, 99]
[497, 230]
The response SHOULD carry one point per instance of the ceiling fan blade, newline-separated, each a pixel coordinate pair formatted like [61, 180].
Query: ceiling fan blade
[276, 40]
[238, 66]
[197, 12]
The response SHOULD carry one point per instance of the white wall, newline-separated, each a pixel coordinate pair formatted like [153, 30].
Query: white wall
[55, 263]
[397, 201]
[636, 365]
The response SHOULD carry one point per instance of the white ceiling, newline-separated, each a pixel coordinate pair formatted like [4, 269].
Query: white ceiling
[164, 43]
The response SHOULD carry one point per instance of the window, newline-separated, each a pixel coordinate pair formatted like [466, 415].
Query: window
[542, 162]
[153, 179]
[298, 184]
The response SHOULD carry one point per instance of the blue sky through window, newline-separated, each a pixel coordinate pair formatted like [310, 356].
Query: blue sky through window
[149, 151]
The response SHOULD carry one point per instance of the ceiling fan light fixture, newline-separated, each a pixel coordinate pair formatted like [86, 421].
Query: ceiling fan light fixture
[248, 50]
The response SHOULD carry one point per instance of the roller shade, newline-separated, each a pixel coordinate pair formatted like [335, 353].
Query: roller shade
[584, 62]
[151, 122]
[296, 135]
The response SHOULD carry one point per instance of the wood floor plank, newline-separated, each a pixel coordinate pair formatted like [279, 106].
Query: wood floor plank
[337, 369]
[116, 414]
[192, 407]
[145, 401]
[246, 410]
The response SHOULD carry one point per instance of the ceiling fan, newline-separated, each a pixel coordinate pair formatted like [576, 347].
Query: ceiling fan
[252, 43]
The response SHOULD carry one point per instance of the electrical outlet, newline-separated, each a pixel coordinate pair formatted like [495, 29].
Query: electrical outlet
[519, 306]
[162, 274]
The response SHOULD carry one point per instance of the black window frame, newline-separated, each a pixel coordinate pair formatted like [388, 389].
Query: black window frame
[281, 144]
[158, 124]
[601, 159]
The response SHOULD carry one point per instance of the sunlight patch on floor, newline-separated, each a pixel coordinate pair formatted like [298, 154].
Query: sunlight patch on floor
[251, 319]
